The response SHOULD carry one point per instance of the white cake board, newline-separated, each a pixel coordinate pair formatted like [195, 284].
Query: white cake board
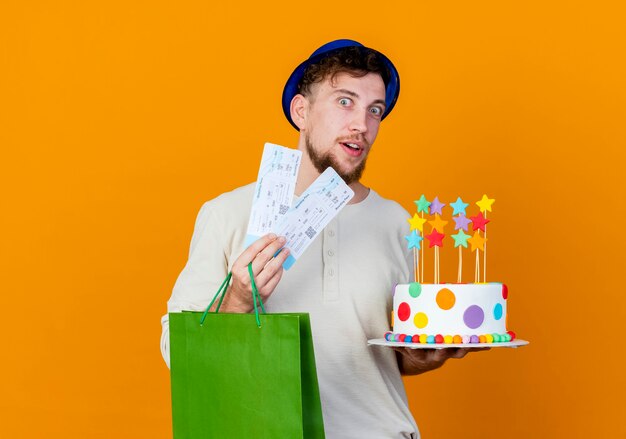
[399, 344]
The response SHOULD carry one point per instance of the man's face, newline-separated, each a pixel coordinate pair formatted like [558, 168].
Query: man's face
[342, 122]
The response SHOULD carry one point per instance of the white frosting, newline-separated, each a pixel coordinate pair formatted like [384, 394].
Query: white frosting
[465, 303]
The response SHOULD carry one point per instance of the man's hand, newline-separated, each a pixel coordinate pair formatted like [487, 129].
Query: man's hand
[416, 361]
[267, 271]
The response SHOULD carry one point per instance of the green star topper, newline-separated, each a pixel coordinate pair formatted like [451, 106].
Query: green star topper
[460, 239]
[422, 204]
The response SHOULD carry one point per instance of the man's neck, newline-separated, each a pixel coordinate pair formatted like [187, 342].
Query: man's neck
[308, 173]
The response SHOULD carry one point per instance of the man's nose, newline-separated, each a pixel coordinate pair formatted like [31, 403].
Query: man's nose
[358, 123]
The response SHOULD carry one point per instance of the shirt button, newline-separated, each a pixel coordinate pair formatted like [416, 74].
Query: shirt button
[331, 272]
[331, 253]
[331, 233]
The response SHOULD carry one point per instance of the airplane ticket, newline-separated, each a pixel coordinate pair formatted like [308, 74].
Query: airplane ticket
[315, 208]
[275, 186]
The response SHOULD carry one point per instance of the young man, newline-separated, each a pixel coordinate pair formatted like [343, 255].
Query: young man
[336, 100]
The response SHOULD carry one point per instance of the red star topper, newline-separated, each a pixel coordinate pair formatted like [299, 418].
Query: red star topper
[435, 239]
[478, 222]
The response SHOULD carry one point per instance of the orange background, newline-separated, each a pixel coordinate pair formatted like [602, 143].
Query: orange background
[118, 119]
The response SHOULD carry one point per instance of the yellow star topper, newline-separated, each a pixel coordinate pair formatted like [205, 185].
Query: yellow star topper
[438, 224]
[417, 223]
[485, 203]
[477, 242]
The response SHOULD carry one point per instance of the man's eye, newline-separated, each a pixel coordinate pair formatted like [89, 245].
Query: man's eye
[344, 101]
[376, 111]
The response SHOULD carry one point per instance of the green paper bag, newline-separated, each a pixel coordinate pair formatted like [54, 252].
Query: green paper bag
[243, 375]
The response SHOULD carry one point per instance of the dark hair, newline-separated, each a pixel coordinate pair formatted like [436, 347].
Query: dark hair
[356, 61]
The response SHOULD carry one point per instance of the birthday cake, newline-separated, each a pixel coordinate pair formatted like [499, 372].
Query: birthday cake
[449, 313]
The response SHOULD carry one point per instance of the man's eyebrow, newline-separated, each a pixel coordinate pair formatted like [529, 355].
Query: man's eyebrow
[345, 91]
[350, 93]
[380, 102]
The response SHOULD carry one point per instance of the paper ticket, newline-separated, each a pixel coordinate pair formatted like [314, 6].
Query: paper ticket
[315, 208]
[275, 186]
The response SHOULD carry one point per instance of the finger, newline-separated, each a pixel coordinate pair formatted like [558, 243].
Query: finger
[269, 287]
[254, 249]
[440, 355]
[458, 352]
[271, 268]
[262, 258]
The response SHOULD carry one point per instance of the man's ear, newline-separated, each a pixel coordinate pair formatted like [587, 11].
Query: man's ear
[299, 110]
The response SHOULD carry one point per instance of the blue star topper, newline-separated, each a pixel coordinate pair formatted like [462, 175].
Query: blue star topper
[459, 206]
[414, 240]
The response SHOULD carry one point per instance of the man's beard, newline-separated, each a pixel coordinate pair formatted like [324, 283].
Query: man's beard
[324, 161]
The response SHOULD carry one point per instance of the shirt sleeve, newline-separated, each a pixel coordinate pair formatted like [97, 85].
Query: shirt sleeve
[204, 271]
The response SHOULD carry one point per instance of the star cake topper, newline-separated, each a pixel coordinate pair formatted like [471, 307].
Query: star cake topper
[417, 223]
[422, 204]
[485, 203]
[479, 222]
[436, 206]
[435, 238]
[414, 240]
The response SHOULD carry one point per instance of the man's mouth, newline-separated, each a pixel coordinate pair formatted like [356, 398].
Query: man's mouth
[353, 149]
[353, 146]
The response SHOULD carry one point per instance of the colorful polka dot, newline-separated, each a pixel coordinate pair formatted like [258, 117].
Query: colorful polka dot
[445, 299]
[505, 292]
[497, 311]
[473, 316]
[420, 320]
[404, 312]
[423, 338]
[415, 289]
